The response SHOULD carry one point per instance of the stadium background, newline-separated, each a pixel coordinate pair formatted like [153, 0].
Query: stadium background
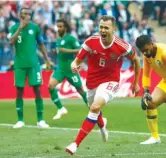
[133, 19]
[126, 121]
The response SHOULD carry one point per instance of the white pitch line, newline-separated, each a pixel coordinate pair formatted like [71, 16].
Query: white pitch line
[76, 129]
[111, 155]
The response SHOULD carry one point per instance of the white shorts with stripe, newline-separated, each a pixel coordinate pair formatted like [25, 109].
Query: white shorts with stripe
[105, 90]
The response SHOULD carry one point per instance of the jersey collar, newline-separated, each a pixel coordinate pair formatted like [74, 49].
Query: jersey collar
[105, 47]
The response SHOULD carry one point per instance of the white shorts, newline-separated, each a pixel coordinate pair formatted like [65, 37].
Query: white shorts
[105, 90]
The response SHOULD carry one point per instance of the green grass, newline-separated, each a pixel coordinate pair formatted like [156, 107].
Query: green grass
[122, 114]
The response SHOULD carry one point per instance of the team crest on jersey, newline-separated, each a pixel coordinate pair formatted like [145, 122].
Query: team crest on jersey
[113, 56]
[62, 42]
[158, 62]
[30, 32]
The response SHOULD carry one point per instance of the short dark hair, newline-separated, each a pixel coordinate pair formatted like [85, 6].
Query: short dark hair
[27, 8]
[107, 17]
[66, 24]
[142, 40]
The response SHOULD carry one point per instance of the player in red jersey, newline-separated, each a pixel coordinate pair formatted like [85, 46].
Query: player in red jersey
[105, 53]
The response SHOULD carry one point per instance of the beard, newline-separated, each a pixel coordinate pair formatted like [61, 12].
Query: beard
[61, 34]
[149, 55]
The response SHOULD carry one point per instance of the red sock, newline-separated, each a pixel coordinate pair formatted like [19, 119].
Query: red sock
[87, 126]
[100, 121]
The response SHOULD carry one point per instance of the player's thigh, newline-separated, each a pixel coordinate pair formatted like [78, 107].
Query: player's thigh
[74, 79]
[58, 75]
[90, 96]
[20, 77]
[34, 76]
[52, 83]
[159, 93]
[106, 92]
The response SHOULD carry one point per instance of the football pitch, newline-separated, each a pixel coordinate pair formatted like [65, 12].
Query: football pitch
[126, 124]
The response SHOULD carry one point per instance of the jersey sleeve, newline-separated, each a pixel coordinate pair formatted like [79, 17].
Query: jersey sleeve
[82, 54]
[146, 82]
[75, 44]
[39, 37]
[85, 50]
[131, 54]
[127, 50]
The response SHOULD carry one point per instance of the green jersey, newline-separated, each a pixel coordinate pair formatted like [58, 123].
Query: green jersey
[26, 45]
[65, 59]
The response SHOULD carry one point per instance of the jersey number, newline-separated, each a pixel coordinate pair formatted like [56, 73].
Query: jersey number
[19, 39]
[75, 79]
[102, 62]
[112, 88]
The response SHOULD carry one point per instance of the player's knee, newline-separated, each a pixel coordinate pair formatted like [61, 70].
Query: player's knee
[151, 105]
[50, 86]
[95, 108]
[20, 91]
[79, 90]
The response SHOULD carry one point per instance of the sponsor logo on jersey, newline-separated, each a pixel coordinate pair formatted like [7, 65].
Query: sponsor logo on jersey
[102, 53]
[30, 32]
[93, 52]
[158, 62]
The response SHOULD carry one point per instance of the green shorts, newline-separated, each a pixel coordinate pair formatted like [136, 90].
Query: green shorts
[32, 73]
[73, 78]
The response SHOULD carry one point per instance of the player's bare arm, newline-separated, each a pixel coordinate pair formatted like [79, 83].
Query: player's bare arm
[146, 84]
[44, 53]
[146, 74]
[23, 22]
[75, 65]
[136, 87]
[66, 50]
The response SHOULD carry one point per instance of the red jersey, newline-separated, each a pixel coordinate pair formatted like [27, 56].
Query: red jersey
[104, 62]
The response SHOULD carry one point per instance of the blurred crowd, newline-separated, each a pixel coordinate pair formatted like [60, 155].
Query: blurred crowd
[132, 19]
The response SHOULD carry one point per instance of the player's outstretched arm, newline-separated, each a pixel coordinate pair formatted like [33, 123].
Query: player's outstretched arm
[75, 65]
[136, 87]
[13, 38]
[66, 50]
[44, 53]
[23, 23]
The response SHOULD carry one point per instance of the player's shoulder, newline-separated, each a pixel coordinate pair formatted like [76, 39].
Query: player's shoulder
[34, 25]
[93, 37]
[120, 40]
[68, 35]
[14, 26]
[161, 45]
[161, 48]
[121, 43]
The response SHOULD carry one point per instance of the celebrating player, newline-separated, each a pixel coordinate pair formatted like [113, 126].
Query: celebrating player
[67, 47]
[104, 54]
[154, 57]
[25, 36]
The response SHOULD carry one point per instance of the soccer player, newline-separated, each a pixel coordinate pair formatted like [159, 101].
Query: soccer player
[154, 57]
[105, 53]
[25, 36]
[67, 47]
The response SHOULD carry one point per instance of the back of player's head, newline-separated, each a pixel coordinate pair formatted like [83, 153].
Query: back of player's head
[66, 24]
[142, 40]
[107, 17]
